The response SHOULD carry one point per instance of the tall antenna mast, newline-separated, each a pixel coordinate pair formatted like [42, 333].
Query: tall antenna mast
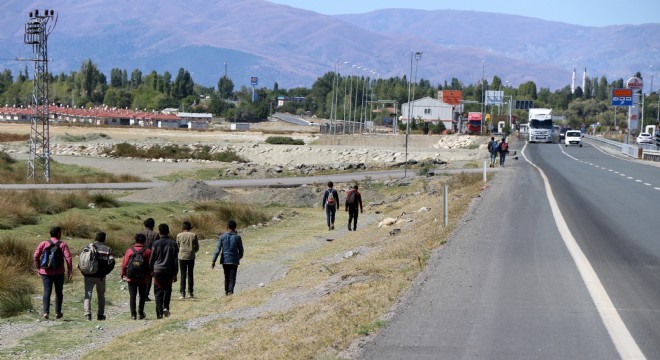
[37, 29]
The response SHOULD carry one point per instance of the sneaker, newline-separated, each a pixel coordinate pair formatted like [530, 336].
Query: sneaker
[100, 317]
[191, 296]
[183, 296]
[134, 317]
[159, 316]
[329, 227]
[166, 312]
[142, 316]
[349, 228]
[59, 316]
[332, 227]
[88, 317]
[45, 316]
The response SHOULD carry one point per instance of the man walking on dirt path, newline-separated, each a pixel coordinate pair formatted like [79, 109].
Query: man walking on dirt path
[504, 150]
[188, 246]
[330, 203]
[106, 262]
[494, 149]
[49, 258]
[163, 264]
[151, 236]
[137, 274]
[230, 250]
[353, 203]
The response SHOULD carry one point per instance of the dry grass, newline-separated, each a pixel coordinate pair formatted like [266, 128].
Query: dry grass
[76, 225]
[15, 266]
[8, 137]
[359, 290]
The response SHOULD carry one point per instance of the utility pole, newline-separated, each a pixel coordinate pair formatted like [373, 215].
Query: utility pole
[37, 29]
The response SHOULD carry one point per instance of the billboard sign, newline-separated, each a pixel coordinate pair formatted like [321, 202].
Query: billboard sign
[254, 81]
[494, 97]
[635, 83]
[622, 97]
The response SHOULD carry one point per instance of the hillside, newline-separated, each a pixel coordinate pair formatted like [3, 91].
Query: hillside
[293, 47]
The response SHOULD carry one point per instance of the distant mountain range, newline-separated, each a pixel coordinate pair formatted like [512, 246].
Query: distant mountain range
[293, 47]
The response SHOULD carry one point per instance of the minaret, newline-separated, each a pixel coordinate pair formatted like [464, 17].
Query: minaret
[584, 79]
[573, 83]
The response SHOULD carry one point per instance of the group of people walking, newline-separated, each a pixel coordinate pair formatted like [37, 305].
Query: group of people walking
[495, 149]
[352, 204]
[154, 258]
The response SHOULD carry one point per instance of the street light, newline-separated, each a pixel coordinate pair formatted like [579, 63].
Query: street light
[483, 93]
[418, 56]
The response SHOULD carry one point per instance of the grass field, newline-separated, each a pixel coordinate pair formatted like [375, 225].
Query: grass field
[299, 296]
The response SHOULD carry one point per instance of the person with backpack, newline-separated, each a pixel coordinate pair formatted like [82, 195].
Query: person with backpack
[493, 148]
[50, 258]
[136, 272]
[151, 236]
[504, 149]
[330, 203]
[164, 268]
[230, 250]
[95, 263]
[188, 246]
[353, 202]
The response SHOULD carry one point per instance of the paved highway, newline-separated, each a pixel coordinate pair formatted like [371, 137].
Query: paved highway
[569, 274]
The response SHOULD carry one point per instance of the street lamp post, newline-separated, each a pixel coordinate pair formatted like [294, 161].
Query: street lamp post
[418, 56]
[483, 93]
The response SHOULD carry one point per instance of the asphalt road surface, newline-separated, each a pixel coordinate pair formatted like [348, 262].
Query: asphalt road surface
[574, 275]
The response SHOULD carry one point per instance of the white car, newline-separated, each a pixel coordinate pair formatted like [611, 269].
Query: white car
[645, 138]
[573, 137]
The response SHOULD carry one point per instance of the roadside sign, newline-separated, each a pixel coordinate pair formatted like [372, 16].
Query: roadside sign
[254, 81]
[622, 97]
[524, 104]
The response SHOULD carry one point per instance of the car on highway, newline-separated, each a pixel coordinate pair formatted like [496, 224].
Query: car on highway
[562, 132]
[645, 138]
[573, 137]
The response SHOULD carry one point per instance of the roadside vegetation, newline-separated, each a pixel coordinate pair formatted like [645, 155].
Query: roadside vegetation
[172, 152]
[8, 137]
[316, 298]
[284, 140]
[13, 171]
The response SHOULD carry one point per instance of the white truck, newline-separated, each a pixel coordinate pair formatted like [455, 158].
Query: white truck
[540, 125]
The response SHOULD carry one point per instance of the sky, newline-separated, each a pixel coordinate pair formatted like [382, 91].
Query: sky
[577, 12]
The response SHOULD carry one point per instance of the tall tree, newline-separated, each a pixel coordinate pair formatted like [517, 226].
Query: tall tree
[225, 87]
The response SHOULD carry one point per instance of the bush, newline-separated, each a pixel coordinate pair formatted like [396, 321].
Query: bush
[244, 214]
[14, 212]
[13, 248]
[74, 225]
[284, 140]
[104, 201]
[15, 287]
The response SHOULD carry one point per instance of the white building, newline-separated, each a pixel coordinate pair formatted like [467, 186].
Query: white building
[429, 110]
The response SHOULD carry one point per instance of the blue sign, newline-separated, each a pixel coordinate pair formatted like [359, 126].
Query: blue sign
[254, 81]
[622, 97]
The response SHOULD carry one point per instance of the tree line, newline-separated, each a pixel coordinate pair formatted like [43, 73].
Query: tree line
[332, 95]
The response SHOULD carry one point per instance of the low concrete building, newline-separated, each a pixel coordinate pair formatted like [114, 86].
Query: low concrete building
[428, 109]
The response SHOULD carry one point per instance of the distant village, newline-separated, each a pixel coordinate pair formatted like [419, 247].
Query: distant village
[167, 118]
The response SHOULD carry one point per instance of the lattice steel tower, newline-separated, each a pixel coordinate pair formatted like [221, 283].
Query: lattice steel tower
[37, 29]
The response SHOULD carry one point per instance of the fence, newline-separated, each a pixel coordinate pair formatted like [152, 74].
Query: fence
[645, 152]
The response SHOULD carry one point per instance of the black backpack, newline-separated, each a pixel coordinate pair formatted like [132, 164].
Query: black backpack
[350, 197]
[137, 268]
[52, 257]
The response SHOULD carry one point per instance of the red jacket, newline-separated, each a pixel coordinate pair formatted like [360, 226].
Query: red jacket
[67, 257]
[146, 256]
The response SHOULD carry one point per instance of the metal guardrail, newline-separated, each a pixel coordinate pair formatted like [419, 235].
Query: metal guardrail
[645, 152]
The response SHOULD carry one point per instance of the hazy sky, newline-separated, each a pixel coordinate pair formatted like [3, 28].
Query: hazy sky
[579, 12]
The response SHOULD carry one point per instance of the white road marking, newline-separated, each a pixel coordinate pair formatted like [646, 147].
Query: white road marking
[623, 341]
[657, 188]
[638, 180]
[647, 184]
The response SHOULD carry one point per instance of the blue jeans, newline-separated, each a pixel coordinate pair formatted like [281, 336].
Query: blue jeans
[330, 211]
[49, 281]
[502, 156]
[493, 157]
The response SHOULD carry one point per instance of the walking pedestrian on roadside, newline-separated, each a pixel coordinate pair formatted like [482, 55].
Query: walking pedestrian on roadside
[164, 268]
[50, 258]
[135, 271]
[493, 148]
[330, 203]
[504, 150]
[188, 246]
[353, 203]
[151, 236]
[106, 262]
[230, 249]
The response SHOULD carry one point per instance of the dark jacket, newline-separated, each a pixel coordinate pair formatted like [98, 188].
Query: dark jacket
[326, 194]
[230, 249]
[356, 203]
[151, 236]
[146, 256]
[164, 256]
[106, 260]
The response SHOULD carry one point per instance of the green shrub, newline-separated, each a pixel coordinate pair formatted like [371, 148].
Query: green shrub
[227, 156]
[15, 288]
[75, 225]
[104, 201]
[11, 247]
[284, 140]
[244, 214]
